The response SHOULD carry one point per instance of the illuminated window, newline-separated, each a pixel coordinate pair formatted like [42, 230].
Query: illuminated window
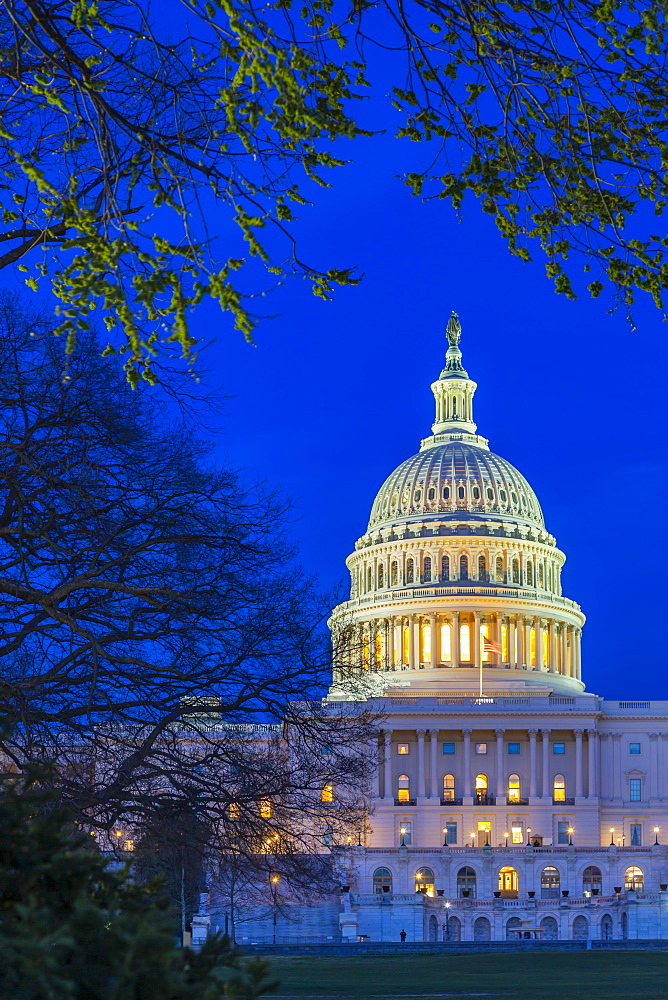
[529, 574]
[636, 834]
[504, 644]
[446, 643]
[448, 787]
[403, 788]
[379, 648]
[508, 882]
[380, 576]
[448, 748]
[499, 569]
[481, 788]
[559, 788]
[327, 793]
[394, 574]
[265, 808]
[395, 647]
[635, 789]
[426, 643]
[558, 748]
[634, 748]
[634, 879]
[409, 571]
[592, 881]
[128, 845]
[424, 881]
[465, 642]
[516, 571]
[463, 567]
[405, 833]
[382, 880]
[406, 643]
[532, 647]
[481, 748]
[234, 810]
[517, 832]
[445, 568]
[514, 790]
[550, 883]
[426, 567]
[403, 748]
[466, 882]
[482, 568]
[365, 652]
[546, 649]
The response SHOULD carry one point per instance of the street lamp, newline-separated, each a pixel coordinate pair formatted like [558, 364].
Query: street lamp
[528, 836]
[274, 884]
[656, 836]
[402, 831]
[612, 836]
[472, 838]
[506, 836]
[570, 836]
[445, 836]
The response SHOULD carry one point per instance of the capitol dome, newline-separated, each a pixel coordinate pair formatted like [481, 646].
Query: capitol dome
[453, 477]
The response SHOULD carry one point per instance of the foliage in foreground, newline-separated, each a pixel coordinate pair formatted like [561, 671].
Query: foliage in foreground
[72, 929]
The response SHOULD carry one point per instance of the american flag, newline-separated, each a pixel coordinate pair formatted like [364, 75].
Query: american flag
[490, 646]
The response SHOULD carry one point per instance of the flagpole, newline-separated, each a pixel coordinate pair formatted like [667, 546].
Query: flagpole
[481, 676]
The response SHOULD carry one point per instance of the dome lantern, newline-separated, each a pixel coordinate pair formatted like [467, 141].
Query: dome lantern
[453, 392]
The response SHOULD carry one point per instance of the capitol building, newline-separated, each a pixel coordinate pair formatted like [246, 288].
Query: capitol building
[505, 800]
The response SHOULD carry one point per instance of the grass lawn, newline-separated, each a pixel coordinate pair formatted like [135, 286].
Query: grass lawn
[631, 975]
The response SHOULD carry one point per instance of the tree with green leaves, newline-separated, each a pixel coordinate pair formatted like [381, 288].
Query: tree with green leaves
[71, 928]
[122, 128]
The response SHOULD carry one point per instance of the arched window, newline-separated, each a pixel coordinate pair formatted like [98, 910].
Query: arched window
[482, 568]
[446, 492]
[446, 643]
[445, 568]
[514, 788]
[540, 575]
[532, 647]
[481, 788]
[465, 642]
[382, 880]
[403, 788]
[508, 883]
[529, 574]
[394, 575]
[634, 879]
[409, 571]
[406, 643]
[327, 793]
[592, 881]
[461, 492]
[484, 648]
[559, 788]
[431, 495]
[516, 571]
[426, 567]
[448, 788]
[499, 569]
[482, 929]
[426, 643]
[424, 881]
[606, 927]
[380, 576]
[466, 883]
[580, 928]
[463, 567]
[549, 883]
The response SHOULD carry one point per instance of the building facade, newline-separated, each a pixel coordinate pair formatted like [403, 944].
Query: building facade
[507, 801]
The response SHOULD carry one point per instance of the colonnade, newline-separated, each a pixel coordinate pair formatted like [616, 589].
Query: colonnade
[540, 772]
[457, 639]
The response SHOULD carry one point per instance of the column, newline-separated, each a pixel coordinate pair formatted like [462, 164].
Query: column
[576, 653]
[512, 643]
[373, 659]
[387, 644]
[546, 791]
[592, 763]
[421, 790]
[500, 777]
[498, 657]
[476, 639]
[397, 643]
[532, 763]
[455, 638]
[433, 746]
[388, 791]
[435, 651]
[579, 791]
[526, 651]
[605, 767]
[466, 733]
[375, 769]
[552, 665]
[653, 765]
[411, 643]
[662, 761]
[538, 626]
[564, 649]
[617, 765]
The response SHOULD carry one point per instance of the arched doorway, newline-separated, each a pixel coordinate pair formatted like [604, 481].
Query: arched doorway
[591, 881]
[453, 929]
[466, 883]
[424, 881]
[481, 796]
[606, 927]
[625, 927]
[482, 929]
[508, 883]
[382, 880]
[549, 883]
[433, 928]
[513, 922]
[580, 929]
[634, 879]
[550, 929]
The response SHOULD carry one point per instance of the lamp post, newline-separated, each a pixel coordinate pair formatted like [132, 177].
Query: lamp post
[274, 884]
[612, 836]
[445, 836]
[656, 836]
[570, 836]
[506, 836]
[528, 836]
[447, 922]
[402, 831]
[472, 838]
